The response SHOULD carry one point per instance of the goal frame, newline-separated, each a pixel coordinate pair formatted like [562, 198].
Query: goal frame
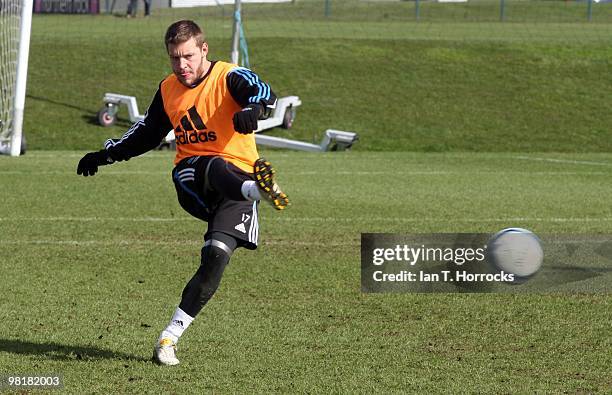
[25, 28]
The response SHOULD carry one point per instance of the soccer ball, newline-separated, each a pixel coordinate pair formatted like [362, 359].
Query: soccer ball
[516, 251]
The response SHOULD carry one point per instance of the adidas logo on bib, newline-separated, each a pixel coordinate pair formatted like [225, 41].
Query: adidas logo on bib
[240, 227]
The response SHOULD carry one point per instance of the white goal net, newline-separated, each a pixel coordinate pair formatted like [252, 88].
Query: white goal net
[15, 22]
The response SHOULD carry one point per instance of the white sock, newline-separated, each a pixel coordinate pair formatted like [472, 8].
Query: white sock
[179, 322]
[250, 191]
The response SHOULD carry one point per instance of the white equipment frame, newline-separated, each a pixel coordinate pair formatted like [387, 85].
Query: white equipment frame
[283, 116]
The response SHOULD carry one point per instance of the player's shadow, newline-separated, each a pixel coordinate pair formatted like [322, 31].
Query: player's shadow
[92, 119]
[56, 102]
[64, 352]
[88, 116]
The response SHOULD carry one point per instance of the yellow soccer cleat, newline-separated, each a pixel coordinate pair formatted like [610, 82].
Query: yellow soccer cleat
[270, 191]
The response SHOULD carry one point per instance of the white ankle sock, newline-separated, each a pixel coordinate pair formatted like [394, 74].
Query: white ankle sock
[179, 322]
[250, 191]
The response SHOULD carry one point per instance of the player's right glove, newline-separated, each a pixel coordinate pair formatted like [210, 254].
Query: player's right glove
[88, 165]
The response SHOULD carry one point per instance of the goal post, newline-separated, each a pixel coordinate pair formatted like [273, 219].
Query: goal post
[15, 23]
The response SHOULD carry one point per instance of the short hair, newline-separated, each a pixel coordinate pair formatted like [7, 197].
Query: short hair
[182, 31]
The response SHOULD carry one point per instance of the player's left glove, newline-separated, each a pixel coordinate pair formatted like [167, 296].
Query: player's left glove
[88, 165]
[245, 121]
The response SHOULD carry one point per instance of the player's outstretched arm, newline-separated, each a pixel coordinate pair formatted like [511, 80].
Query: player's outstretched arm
[142, 137]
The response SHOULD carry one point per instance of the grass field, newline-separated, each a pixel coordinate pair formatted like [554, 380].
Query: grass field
[466, 124]
[93, 268]
[457, 80]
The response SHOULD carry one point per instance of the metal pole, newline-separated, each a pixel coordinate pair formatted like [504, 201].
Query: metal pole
[327, 7]
[590, 11]
[417, 9]
[502, 10]
[21, 78]
[236, 34]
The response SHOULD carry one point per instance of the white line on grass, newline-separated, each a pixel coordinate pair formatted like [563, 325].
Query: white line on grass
[340, 173]
[438, 220]
[92, 219]
[71, 173]
[314, 219]
[159, 242]
[79, 154]
[444, 173]
[568, 161]
[86, 243]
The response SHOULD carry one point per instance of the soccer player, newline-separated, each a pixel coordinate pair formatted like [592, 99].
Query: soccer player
[213, 108]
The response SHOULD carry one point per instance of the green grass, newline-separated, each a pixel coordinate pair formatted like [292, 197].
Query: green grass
[457, 80]
[93, 268]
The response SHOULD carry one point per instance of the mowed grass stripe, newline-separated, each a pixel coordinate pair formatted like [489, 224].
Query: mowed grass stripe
[86, 294]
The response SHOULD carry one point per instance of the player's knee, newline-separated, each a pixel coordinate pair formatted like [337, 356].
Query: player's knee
[214, 260]
[205, 282]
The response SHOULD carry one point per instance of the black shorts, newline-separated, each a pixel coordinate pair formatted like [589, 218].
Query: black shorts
[235, 218]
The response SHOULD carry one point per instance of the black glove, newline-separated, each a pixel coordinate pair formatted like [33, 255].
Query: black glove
[88, 165]
[245, 121]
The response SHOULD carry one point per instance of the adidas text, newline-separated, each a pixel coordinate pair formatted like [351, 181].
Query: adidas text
[195, 136]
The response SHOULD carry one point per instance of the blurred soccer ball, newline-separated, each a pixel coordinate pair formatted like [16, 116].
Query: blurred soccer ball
[516, 251]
